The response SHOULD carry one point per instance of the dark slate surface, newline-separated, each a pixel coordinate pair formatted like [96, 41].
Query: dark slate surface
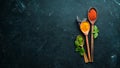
[41, 33]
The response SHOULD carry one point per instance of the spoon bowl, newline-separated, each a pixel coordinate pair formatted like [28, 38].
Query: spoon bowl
[85, 27]
[92, 21]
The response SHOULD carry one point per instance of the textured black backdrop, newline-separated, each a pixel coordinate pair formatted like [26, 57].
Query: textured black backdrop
[41, 33]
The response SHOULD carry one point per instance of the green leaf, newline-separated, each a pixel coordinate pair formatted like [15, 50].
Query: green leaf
[82, 51]
[79, 40]
[76, 43]
[77, 49]
[95, 27]
[95, 31]
[95, 35]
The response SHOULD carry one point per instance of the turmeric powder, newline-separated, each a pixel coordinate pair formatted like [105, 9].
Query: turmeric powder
[85, 26]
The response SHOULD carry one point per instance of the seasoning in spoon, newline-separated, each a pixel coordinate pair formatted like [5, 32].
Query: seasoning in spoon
[92, 14]
[85, 26]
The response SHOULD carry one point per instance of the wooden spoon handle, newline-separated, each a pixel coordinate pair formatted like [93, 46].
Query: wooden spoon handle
[92, 43]
[85, 58]
[88, 48]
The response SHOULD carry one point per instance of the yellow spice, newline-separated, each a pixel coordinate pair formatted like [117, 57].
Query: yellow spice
[85, 26]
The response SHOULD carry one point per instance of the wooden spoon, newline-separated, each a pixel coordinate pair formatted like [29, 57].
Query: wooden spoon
[92, 27]
[85, 28]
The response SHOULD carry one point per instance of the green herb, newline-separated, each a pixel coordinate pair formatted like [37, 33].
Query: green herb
[95, 35]
[77, 49]
[79, 42]
[82, 50]
[95, 31]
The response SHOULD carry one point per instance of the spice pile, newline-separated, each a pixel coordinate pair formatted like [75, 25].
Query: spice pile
[92, 15]
[85, 27]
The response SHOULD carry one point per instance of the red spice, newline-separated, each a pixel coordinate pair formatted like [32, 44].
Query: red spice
[92, 14]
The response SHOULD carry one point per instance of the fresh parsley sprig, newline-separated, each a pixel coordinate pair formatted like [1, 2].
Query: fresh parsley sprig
[79, 42]
[95, 31]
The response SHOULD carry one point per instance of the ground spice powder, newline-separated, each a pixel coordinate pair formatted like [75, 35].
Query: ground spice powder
[92, 14]
[85, 26]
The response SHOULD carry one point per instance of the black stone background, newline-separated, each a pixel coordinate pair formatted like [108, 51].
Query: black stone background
[41, 33]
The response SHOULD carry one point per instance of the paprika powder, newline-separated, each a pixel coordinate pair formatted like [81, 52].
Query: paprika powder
[92, 14]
